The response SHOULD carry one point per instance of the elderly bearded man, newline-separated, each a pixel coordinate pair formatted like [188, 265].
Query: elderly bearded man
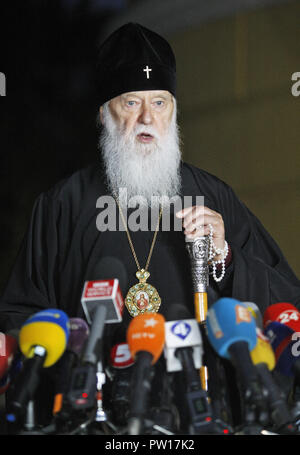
[140, 151]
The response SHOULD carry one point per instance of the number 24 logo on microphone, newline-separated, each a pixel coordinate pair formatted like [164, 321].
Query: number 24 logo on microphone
[287, 316]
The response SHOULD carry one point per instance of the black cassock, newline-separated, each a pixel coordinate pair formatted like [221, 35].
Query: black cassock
[63, 246]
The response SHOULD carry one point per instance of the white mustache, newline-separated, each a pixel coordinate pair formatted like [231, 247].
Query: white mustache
[147, 129]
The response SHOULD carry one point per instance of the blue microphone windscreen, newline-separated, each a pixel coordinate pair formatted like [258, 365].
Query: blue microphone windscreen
[49, 329]
[53, 316]
[228, 321]
[284, 347]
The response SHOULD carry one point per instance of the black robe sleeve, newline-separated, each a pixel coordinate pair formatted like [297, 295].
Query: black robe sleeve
[259, 271]
[32, 282]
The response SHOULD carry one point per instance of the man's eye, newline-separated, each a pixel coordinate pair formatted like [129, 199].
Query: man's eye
[159, 103]
[131, 103]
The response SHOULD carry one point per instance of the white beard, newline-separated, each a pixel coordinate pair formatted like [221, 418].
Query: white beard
[144, 170]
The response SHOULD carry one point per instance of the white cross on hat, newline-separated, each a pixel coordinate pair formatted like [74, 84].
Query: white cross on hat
[147, 69]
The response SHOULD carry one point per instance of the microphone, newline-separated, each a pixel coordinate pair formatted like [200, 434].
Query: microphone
[120, 356]
[145, 338]
[182, 335]
[282, 312]
[42, 340]
[255, 312]
[282, 324]
[162, 417]
[79, 332]
[232, 332]
[121, 363]
[183, 352]
[229, 323]
[102, 303]
[264, 360]
[262, 353]
[8, 349]
[10, 363]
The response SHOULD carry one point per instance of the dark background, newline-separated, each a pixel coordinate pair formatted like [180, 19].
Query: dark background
[48, 116]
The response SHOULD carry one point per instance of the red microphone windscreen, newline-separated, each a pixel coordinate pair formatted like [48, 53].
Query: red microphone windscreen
[146, 332]
[285, 313]
[8, 347]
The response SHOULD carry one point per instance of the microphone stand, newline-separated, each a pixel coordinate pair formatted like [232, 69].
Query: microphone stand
[29, 424]
[100, 413]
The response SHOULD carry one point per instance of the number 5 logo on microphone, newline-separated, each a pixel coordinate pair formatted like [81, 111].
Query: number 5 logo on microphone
[121, 356]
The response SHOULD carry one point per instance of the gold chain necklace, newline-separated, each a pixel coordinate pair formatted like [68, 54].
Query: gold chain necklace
[141, 297]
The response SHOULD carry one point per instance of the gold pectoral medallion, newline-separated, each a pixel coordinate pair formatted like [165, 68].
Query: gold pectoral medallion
[142, 297]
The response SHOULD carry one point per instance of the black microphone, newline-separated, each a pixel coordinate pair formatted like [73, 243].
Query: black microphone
[232, 333]
[183, 331]
[79, 332]
[121, 367]
[184, 342]
[264, 360]
[145, 338]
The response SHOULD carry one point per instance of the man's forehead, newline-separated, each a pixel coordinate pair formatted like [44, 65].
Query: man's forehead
[148, 94]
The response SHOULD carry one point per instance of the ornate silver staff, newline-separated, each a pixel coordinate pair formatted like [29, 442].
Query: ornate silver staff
[198, 250]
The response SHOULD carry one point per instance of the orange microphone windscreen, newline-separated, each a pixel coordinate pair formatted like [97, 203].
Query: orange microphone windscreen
[146, 332]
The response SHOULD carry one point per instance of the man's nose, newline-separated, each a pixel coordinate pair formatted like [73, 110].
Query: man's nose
[146, 115]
